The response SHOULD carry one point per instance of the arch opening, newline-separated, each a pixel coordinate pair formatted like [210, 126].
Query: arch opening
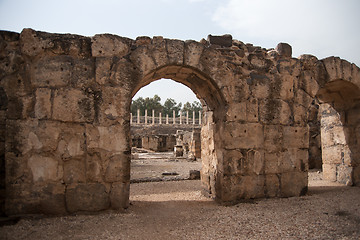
[212, 104]
[339, 110]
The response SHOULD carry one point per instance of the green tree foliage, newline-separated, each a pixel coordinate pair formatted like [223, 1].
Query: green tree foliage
[169, 106]
[191, 107]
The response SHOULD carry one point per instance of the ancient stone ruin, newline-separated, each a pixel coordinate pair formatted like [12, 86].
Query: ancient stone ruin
[65, 113]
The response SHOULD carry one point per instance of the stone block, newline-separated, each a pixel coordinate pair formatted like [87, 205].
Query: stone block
[107, 45]
[293, 184]
[144, 60]
[295, 137]
[193, 51]
[111, 110]
[273, 162]
[44, 169]
[329, 172]
[119, 195]
[272, 185]
[236, 112]
[175, 51]
[93, 168]
[73, 105]
[43, 103]
[74, 171]
[83, 73]
[243, 136]
[308, 83]
[52, 72]
[275, 111]
[334, 135]
[112, 139]
[302, 98]
[31, 44]
[118, 168]
[16, 169]
[356, 174]
[273, 139]
[87, 197]
[284, 49]
[252, 112]
[250, 187]
[336, 154]
[294, 159]
[222, 41]
[344, 174]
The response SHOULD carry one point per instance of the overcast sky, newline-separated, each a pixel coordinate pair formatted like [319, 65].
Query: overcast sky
[319, 27]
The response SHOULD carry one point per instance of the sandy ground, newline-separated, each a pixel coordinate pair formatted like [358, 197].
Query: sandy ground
[177, 210]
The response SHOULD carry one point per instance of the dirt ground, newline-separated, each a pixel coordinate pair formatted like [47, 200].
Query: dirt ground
[177, 210]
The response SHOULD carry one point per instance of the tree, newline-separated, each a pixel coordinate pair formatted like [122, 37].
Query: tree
[191, 107]
[147, 103]
[169, 106]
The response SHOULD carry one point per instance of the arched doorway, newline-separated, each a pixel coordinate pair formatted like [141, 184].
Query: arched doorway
[213, 111]
[340, 124]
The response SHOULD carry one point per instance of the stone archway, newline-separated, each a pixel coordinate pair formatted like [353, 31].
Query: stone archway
[213, 114]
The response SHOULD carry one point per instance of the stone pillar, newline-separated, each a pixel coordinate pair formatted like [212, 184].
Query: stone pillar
[193, 117]
[145, 116]
[187, 117]
[131, 118]
[167, 119]
[138, 116]
[199, 117]
[159, 118]
[174, 118]
[153, 117]
[180, 116]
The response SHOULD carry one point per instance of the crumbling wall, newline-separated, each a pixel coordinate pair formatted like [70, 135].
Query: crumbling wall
[67, 138]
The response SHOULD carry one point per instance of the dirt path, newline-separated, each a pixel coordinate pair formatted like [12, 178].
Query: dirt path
[177, 210]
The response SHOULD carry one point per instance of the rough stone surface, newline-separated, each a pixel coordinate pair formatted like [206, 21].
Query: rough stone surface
[65, 103]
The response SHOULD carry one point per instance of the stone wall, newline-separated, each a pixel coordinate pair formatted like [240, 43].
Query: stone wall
[66, 100]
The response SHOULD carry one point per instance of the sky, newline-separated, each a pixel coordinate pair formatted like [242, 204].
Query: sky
[319, 27]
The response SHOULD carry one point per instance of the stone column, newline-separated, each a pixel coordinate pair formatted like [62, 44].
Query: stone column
[131, 118]
[193, 117]
[145, 116]
[174, 119]
[153, 117]
[159, 118]
[167, 119]
[180, 116]
[199, 117]
[187, 117]
[138, 116]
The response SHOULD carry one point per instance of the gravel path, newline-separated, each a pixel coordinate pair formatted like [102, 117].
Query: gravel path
[177, 210]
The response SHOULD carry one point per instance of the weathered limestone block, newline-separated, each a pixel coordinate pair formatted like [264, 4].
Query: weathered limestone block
[47, 199]
[237, 112]
[31, 44]
[87, 197]
[175, 51]
[293, 183]
[93, 168]
[193, 51]
[73, 105]
[243, 136]
[222, 41]
[44, 169]
[246, 163]
[119, 195]
[295, 137]
[272, 185]
[112, 138]
[308, 82]
[329, 172]
[74, 171]
[284, 49]
[344, 174]
[118, 168]
[43, 103]
[336, 154]
[143, 60]
[273, 138]
[82, 74]
[114, 100]
[334, 135]
[52, 72]
[274, 111]
[247, 187]
[107, 45]
[302, 98]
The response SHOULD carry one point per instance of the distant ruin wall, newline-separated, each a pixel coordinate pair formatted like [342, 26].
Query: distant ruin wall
[65, 115]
